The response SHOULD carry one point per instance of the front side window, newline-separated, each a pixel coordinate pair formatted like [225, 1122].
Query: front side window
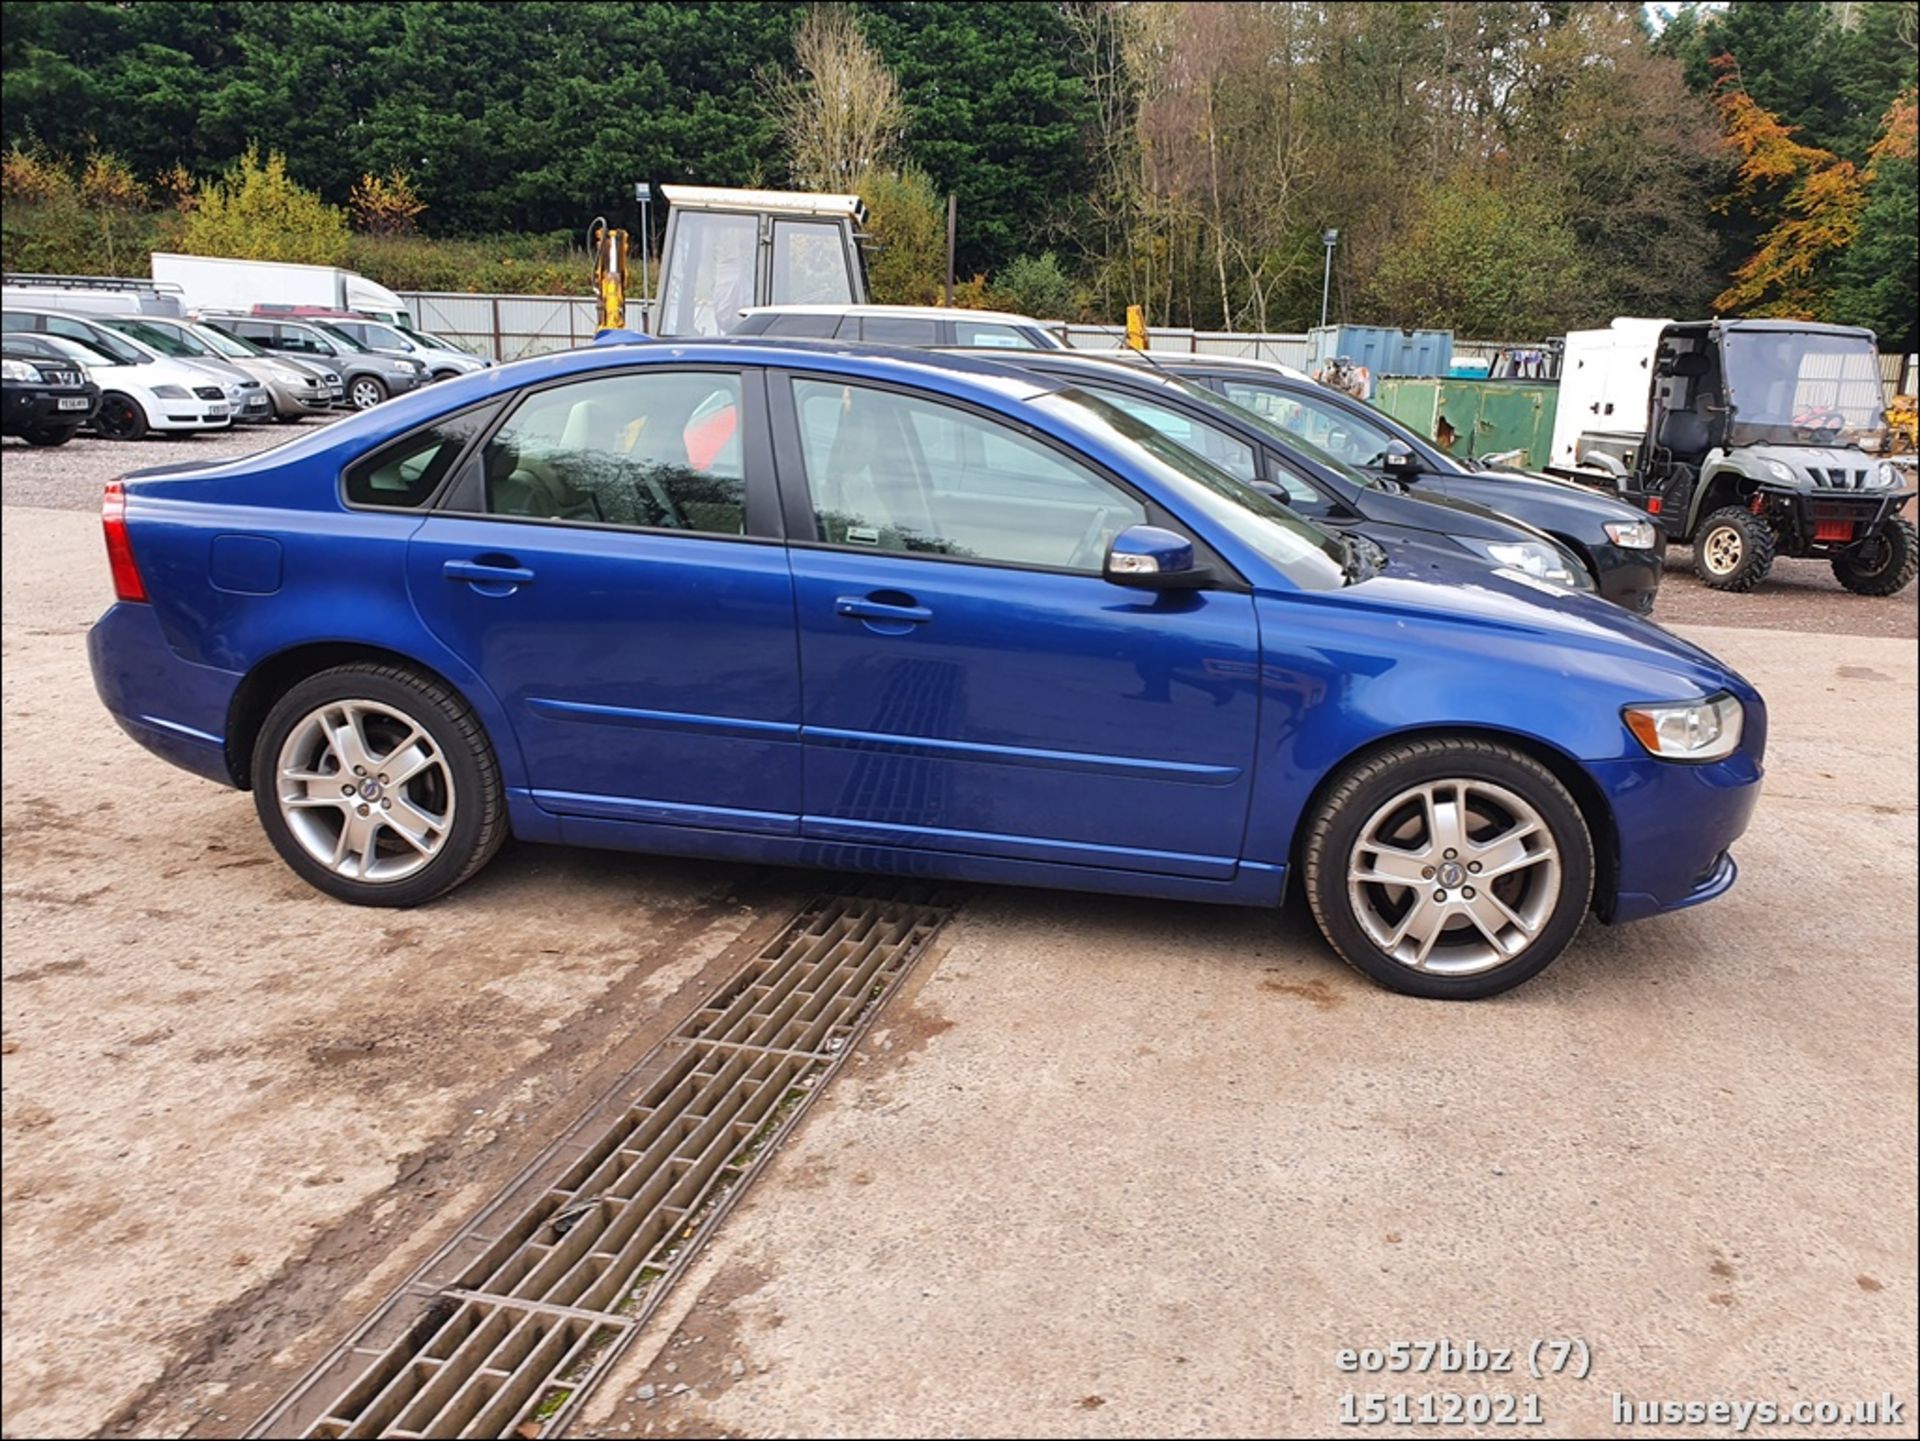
[1207, 441]
[657, 451]
[1328, 428]
[987, 336]
[410, 470]
[890, 472]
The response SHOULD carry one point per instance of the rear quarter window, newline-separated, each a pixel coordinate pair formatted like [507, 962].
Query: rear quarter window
[406, 473]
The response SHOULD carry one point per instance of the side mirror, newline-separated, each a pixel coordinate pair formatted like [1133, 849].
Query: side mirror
[1150, 558]
[1400, 461]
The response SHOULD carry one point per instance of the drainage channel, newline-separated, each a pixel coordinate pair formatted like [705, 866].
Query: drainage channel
[511, 1323]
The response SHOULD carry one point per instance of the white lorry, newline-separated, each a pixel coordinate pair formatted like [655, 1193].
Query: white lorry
[208, 282]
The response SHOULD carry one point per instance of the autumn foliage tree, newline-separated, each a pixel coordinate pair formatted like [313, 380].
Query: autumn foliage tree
[385, 204]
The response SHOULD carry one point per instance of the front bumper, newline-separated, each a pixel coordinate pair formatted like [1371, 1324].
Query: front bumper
[1675, 824]
[31, 406]
[176, 709]
[1628, 578]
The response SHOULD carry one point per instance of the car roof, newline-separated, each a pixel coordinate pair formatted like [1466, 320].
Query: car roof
[915, 312]
[912, 361]
[1198, 360]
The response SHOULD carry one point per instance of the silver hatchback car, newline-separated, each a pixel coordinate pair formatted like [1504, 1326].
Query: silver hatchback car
[293, 389]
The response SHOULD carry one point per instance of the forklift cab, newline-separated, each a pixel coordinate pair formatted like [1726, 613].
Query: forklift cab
[726, 250]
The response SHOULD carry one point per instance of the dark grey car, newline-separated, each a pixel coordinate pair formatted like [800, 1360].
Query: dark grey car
[370, 376]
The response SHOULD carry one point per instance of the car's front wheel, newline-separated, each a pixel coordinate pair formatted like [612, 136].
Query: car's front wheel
[366, 392]
[1734, 549]
[1451, 868]
[378, 786]
[120, 417]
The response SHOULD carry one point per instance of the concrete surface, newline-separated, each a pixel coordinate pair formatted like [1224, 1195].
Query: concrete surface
[1110, 1168]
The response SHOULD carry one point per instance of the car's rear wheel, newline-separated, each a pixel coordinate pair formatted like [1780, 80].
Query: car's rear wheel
[1733, 550]
[1452, 868]
[378, 786]
[366, 392]
[1883, 564]
[50, 435]
[120, 417]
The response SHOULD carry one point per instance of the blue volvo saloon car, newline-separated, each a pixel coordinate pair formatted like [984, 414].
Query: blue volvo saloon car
[784, 602]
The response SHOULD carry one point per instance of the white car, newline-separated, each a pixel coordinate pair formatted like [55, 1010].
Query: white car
[142, 392]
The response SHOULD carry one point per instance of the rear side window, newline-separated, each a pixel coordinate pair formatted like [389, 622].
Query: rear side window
[656, 451]
[898, 330]
[807, 326]
[406, 473]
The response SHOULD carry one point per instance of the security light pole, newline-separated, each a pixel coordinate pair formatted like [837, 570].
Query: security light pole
[1327, 238]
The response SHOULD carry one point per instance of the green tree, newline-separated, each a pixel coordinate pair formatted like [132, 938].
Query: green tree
[1876, 280]
[1036, 285]
[255, 212]
[1486, 261]
[908, 223]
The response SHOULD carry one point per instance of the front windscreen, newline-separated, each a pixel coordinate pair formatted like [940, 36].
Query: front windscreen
[1308, 556]
[165, 339]
[1803, 387]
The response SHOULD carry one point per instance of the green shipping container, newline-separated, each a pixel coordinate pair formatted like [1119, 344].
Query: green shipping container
[1473, 419]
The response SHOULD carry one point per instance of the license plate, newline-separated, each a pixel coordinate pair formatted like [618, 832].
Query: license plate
[337, 393]
[72, 402]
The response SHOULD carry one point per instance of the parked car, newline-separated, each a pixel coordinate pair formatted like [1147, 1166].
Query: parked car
[298, 387]
[285, 389]
[176, 339]
[246, 399]
[370, 376]
[139, 392]
[874, 609]
[924, 326]
[1307, 479]
[442, 358]
[43, 399]
[1618, 545]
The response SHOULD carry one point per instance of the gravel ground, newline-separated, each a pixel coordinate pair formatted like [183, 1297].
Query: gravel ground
[1799, 595]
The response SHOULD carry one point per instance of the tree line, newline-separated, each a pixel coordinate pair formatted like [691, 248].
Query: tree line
[1503, 169]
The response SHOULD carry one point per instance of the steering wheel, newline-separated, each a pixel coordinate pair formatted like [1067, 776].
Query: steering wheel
[1818, 420]
[1091, 551]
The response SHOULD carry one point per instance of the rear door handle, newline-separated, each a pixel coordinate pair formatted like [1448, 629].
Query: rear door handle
[861, 607]
[497, 574]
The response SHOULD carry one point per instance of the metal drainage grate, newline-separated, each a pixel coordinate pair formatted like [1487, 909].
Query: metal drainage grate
[503, 1332]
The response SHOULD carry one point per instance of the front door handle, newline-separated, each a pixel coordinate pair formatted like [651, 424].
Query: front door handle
[864, 607]
[490, 574]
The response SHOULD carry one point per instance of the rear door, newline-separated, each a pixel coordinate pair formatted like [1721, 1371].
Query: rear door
[610, 562]
[970, 681]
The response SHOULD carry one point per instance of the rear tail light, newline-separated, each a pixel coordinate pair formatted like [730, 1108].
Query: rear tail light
[127, 584]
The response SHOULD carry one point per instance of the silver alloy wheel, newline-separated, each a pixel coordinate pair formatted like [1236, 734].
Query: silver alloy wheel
[1454, 877]
[364, 790]
[366, 394]
[1723, 549]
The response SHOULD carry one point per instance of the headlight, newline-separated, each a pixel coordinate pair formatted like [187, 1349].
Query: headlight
[1633, 534]
[1707, 730]
[1780, 470]
[233, 391]
[1885, 476]
[170, 392]
[19, 370]
[1530, 557]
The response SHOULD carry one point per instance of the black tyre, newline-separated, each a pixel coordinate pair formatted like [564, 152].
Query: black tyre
[1450, 869]
[378, 786]
[120, 417]
[52, 435]
[1883, 563]
[1733, 549]
[365, 391]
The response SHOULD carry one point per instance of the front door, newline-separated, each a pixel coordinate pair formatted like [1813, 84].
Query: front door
[610, 565]
[970, 682]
